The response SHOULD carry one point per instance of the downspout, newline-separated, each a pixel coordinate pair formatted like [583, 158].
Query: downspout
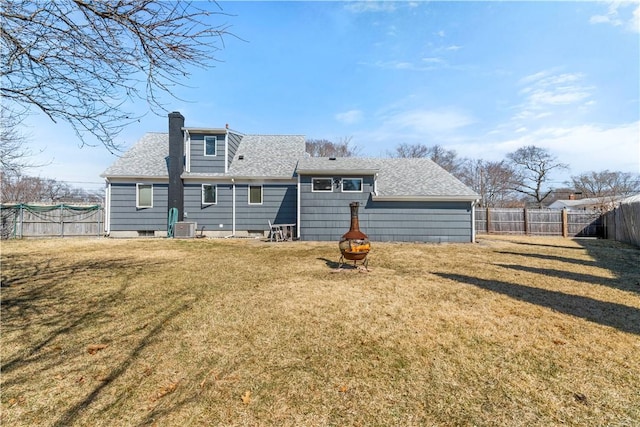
[298, 209]
[187, 150]
[226, 151]
[375, 184]
[107, 209]
[233, 207]
[473, 221]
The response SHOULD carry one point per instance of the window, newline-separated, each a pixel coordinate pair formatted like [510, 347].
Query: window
[210, 145]
[144, 195]
[255, 194]
[209, 194]
[352, 185]
[321, 184]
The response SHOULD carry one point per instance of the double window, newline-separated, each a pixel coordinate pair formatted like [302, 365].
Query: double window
[347, 185]
[144, 196]
[210, 143]
[209, 194]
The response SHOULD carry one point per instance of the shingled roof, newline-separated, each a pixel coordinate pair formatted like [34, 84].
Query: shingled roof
[257, 156]
[397, 178]
[146, 159]
[282, 156]
[267, 156]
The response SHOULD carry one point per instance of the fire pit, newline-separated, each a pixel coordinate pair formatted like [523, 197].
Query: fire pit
[354, 244]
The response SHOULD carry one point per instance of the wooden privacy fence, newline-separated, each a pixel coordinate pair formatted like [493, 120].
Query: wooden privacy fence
[22, 220]
[623, 223]
[541, 222]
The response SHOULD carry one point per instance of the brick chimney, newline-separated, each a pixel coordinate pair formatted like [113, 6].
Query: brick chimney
[176, 163]
[572, 196]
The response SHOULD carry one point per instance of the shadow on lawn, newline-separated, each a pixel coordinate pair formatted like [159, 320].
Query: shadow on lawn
[41, 309]
[620, 259]
[621, 317]
[38, 296]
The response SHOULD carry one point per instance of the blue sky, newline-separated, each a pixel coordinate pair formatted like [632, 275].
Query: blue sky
[481, 78]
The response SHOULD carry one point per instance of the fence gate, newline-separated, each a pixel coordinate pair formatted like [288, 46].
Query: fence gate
[51, 221]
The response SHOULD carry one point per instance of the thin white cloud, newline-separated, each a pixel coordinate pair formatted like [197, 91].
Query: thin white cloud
[433, 60]
[634, 23]
[546, 91]
[370, 6]
[425, 64]
[349, 117]
[585, 147]
[619, 14]
[430, 122]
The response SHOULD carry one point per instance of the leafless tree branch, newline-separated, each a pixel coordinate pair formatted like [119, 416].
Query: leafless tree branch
[81, 61]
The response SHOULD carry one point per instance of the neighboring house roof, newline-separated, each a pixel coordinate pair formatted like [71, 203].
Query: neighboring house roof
[573, 204]
[147, 158]
[593, 202]
[631, 199]
[397, 178]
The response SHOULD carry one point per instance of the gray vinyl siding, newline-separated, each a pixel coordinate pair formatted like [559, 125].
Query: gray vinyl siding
[278, 206]
[279, 203]
[206, 164]
[325, 216]
[210, 216]
[233, 141]
[126, 217]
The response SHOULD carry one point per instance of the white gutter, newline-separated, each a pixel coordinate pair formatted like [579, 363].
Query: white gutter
[345, 171]
[425, 198]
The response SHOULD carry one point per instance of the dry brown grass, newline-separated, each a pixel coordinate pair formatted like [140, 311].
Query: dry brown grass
[509, 331]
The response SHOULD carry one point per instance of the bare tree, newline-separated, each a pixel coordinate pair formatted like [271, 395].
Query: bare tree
[532, 166]
[18, 188]
[14, 154]
[80, 61]
[606, 183]
[410, 151]
[606, 186]
[492, 180]
[447, 159]
[326, 148]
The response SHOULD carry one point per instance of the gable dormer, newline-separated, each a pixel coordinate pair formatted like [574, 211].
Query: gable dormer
[206, 150]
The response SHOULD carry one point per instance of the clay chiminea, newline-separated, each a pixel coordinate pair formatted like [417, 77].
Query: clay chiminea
[354, 244]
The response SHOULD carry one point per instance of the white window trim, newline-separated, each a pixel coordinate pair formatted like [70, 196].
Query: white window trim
[249, 194]
[215, 186]
[215, 145]
[330, 190]
[138, 206]
[351, 191]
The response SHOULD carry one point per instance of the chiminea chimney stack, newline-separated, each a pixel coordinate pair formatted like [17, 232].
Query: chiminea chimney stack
[176, 163]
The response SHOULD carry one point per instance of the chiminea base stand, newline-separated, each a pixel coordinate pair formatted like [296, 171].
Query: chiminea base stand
[364, 262]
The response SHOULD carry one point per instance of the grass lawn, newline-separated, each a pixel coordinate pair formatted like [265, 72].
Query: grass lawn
[509, 331]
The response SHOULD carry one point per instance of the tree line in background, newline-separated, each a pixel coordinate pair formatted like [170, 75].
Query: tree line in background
[519, 180]
[18, 188]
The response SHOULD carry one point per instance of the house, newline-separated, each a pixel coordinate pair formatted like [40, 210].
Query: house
[232, 184]
[593, 204]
